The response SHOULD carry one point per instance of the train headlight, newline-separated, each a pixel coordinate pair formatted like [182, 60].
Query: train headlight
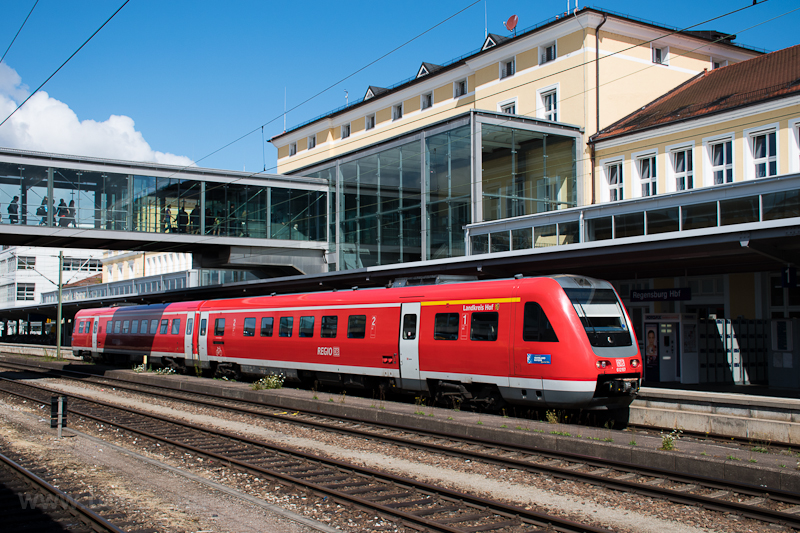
[634, 363]
[603, 364]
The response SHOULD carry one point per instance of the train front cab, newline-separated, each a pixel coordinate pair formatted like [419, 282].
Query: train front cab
[573, 346]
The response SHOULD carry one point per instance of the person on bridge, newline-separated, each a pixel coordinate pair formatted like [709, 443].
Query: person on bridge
[13, 211]
[41, 211]
[62, 213]
[71, 215]
[183, 219]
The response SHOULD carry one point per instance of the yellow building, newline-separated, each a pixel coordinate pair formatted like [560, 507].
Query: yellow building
[496, 134]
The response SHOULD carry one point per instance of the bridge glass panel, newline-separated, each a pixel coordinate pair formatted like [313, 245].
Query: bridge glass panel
[500, 241]
[663, 220]
[628, 225]
[480, 244]
[521, 239]
[544, 236]
[28, 184]
[738, 210]
[569, 232]
[599, 229]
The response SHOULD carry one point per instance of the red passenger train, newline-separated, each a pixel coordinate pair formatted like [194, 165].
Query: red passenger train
[556, 341]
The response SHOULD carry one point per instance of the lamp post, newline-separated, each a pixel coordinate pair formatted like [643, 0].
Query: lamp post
[58, 314]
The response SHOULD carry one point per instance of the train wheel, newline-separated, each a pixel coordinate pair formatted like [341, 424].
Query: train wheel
[489, 400]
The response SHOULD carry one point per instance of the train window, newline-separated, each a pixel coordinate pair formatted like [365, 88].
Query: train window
[176, 326]
[409, 327]
[484, 326]
[126, 326]
[95, 326]
[328, 327]
[134, 327]
[306, 326]
[117, 325]
[249, 327]
[266, 326]
[285, 327]
[219, 327]
[144, 327]
[189, 326]
[445, 327]
[80, 327]
[356, 326]
[164, 326]
[202, 327]
[153, 326]
[536, 327]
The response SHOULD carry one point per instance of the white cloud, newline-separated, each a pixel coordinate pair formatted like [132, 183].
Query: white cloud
[45, 124]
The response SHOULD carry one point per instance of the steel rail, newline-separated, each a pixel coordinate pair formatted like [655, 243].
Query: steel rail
[645, 489]
[528, 518]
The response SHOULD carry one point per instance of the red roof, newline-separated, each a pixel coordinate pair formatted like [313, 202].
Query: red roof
[774, 75]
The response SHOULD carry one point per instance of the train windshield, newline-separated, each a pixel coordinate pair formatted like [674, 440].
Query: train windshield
[601, 314]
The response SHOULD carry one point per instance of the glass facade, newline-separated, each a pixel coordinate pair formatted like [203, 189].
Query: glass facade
[411, 200]
[61, 197]
[526, 172]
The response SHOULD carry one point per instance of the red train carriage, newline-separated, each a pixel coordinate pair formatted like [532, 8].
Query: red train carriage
[560, 341]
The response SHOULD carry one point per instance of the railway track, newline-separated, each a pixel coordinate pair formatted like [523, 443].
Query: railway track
[406, 501]
[29, 503]
[767, 505]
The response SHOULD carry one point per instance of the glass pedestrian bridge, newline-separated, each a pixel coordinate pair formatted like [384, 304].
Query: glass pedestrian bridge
[765, 203]
[54, 200]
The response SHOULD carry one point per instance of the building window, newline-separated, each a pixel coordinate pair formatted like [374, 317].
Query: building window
[25, 291]
[765, 154]
[794, 146]
[647, 175]
[547, 52]
[550, 105]
[683, 169]
[312, 142]
[660, 55]
[426, 101]
[292, 149]
[369, 121]
[507, 68]
[77, 264]
[509, 109]
[26, 263]
[460, 88]
[397, 112]
[345, 131]
[615, 182]
[718, 63]
[721, 154]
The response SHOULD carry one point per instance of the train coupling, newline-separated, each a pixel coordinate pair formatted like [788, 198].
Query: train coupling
[621, 386]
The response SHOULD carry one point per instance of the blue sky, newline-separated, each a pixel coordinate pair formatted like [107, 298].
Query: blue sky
[188, 77]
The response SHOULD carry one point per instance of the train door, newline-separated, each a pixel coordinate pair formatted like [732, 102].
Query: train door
[202, 337]
[187, 338]
[409, 346]
[94, 333]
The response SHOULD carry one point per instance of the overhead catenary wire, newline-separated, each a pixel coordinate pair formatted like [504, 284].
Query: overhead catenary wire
[18, 31]
[65, 62]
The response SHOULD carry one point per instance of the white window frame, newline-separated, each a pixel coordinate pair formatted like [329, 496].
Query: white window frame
[312, 141]
[422, 100]
[507, 103]
[292, 149]
[543, 52]
[794, 145]
[541, 96]
[708, 160]
[642, 182]
[504, 67]
[369, 122]
[607, 189]
[672, 170]
[397, 111]
[345, 130]
[663, 51]
[722, 63]
[457, 88]
[750, 160]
